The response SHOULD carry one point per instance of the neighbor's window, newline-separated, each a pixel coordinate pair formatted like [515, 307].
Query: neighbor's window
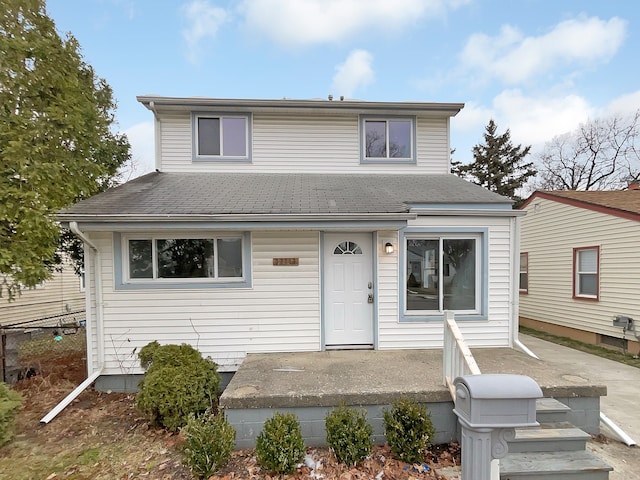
[388, 139]
[221, 137]
[185, 258]
[586, 272]
[442, 273]
[524, 272]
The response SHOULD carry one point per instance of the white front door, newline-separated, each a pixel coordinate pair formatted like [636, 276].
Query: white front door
[348, 290]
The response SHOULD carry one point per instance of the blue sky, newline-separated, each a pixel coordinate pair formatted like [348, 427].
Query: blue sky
[537, 67]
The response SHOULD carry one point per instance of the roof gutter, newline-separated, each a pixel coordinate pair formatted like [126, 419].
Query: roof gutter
[482, 212]
[311, 217]
[73, 226]
[291, 105]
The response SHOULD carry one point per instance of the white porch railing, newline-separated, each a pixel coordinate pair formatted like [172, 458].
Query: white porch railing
[457, 358]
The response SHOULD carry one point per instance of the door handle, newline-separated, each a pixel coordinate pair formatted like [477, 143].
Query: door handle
[370, 285]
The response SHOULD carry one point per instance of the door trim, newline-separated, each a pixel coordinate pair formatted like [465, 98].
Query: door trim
[374, 274]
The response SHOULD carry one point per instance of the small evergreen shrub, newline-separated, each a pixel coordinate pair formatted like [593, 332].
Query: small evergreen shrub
[409, 430]
[209, 441]
[349, 434]
[9, 403]
[280, 447]
[178, 382]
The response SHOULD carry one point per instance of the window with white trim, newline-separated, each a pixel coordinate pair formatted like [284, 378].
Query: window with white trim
[209, 259]
[586, 269]
[221, 137]
[442, 273]
[388, 139]
[524, 272]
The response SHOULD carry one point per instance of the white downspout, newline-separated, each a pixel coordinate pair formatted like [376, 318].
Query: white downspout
[515, 289]
[157, 135]
[73, 226]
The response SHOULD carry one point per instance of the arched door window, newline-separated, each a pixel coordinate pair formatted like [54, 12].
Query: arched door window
[347, 248]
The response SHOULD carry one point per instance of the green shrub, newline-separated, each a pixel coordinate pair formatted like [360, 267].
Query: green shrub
[209, 441]
[9, 403]
[178, 382]
[279, 447]
[409, 430]
[349, 434]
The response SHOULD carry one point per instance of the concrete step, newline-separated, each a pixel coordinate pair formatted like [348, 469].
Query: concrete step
[550, 410]
[550, 437]
[553, 466]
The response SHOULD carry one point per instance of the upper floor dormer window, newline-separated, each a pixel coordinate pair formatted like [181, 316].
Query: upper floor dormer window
[221, 137]
[387, 139]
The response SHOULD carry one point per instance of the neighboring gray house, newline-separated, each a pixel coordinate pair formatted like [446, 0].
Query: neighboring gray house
[295, 225]
[580, 258]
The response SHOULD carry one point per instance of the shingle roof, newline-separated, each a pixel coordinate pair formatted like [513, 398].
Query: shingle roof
[175, 194]
[618, 202]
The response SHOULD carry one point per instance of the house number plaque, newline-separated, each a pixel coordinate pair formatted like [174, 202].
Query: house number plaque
[286, 262]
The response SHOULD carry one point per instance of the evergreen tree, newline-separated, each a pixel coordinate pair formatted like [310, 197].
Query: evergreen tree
[498, 165]
[57, 143]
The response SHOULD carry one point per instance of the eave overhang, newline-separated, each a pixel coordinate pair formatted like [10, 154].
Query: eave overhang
[155, 103]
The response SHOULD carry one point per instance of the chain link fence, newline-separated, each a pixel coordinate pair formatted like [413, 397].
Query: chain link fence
[27, 347]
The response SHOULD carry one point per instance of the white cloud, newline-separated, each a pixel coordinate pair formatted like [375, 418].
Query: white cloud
[204, 21]
[355, 72]
[306, 22]
[532, 120]
[626, 104]
[472, 118]
[513, 58]
[142, 147]
[535, 120]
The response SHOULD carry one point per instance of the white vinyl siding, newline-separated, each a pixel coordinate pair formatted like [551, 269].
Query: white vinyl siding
[550, 232]
[280, 313]
[304, 143]
[493, 332]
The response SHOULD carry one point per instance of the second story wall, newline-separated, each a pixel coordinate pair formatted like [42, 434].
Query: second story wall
[305, 142]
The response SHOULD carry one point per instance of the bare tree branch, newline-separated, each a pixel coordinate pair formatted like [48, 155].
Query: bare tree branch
[603, 154]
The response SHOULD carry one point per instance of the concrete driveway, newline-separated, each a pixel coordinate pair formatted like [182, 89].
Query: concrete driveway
[622, 403]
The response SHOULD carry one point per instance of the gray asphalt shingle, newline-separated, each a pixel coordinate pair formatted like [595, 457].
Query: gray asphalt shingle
[257, 193]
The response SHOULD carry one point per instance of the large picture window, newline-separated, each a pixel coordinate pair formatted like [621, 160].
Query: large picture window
[221, 137]
[586, 267]
[388, 139]
[186, 259]
[442, 273]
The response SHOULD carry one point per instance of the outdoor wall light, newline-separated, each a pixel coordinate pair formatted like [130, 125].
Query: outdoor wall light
[388, 248]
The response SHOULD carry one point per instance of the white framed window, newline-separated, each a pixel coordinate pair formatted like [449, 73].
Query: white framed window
[524, 272]
[442, 272]
[586, 273]
[221, 137]
[191, 259]
[388, 139]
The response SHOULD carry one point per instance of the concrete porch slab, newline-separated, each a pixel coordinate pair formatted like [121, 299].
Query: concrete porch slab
[377, 377]
[310, 384]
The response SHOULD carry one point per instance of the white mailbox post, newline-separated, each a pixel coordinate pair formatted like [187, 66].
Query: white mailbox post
[489, 408]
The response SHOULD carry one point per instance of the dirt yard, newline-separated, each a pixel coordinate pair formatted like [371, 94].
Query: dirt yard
[102, 436]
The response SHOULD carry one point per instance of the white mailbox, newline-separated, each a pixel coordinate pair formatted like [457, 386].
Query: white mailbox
[496, 400]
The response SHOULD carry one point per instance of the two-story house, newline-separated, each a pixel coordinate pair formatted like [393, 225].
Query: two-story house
[295, 225]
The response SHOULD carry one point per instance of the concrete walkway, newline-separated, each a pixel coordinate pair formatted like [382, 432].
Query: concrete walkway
[621, 404]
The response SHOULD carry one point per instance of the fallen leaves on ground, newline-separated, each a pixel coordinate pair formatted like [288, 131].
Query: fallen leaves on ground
[102, 436]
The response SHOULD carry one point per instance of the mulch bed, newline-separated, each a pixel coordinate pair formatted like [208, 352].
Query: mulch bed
[116, 420]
